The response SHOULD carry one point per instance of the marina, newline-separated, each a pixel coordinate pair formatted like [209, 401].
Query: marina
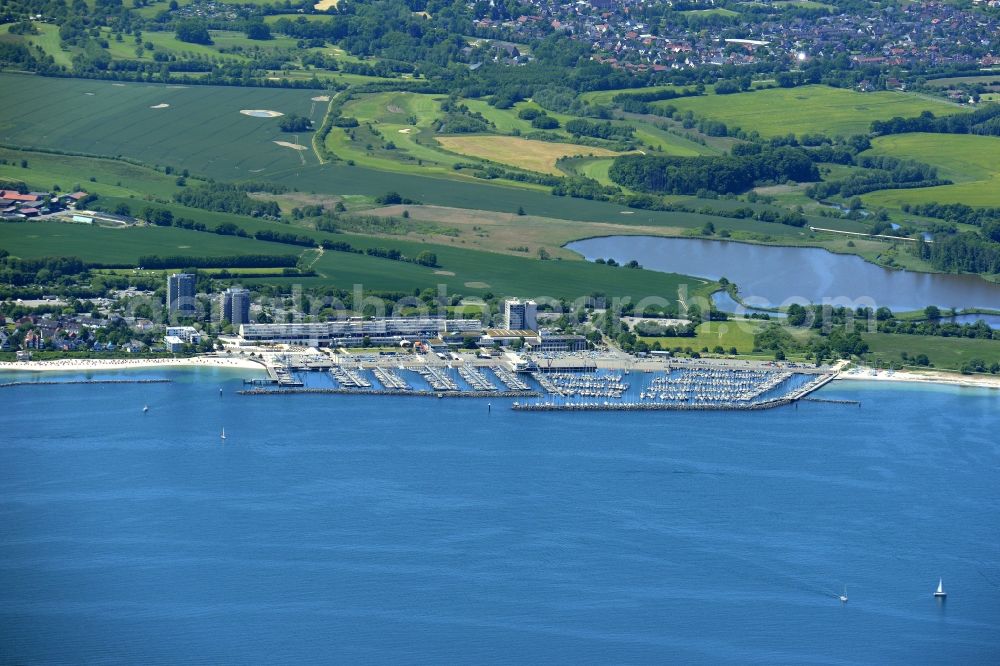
[571, 384]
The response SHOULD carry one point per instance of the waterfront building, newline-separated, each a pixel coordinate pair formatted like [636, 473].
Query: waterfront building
[352, 332]
[188, 334]
[520, 315]
[236, 306]
[559, 343]
[505, 337]
[180, 293]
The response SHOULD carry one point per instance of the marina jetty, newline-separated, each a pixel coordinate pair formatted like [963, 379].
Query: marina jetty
[583, 381]
[85, 381]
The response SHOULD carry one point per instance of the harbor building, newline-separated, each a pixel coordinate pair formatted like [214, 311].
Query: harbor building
[506, 338]
[180, 293]
[520, 315]
[353, 332]
[236, 306]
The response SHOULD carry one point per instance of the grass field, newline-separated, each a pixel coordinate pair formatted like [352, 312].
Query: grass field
[538, 156]
[465, 271]
[948, 82]
[111, 177]
[970, 161]
[944, 353]
[202, 129]
[728, 334]
[808, 109]
[31, 240]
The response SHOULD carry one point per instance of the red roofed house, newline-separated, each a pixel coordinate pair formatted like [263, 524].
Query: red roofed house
[14, 195]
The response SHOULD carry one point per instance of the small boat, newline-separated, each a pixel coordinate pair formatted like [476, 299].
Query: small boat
[145, 408]
[940, 593]
[223, 436]
[843, 597]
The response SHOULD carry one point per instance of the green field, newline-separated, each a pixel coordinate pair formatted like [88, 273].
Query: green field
[111, 177]
[31, 240]
[202, 129]
[970, 161]
[808, 109]
[944, 353]
[736, 333]
[461, 270]
[986, 79]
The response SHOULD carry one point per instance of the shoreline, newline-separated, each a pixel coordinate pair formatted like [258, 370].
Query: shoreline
[100, 364]
[928, 377]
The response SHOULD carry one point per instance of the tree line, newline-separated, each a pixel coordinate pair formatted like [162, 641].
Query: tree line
[724, 174]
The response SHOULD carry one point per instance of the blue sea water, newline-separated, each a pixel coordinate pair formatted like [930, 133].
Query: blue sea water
[414, 530]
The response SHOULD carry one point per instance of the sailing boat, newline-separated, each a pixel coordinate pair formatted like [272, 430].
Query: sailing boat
[940, 594]
[223, 433]
[843, 597]
[145, 408]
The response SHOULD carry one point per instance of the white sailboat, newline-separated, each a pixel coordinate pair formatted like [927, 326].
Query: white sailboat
[223, 436]
[940, 593]
[843, 597]
[145, 408]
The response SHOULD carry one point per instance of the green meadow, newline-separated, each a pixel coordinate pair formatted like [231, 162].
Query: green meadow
[461, 270]
[99, 176]
[201, 129]
[971, 161]
[944, 353]
[90, 243]
[808, 109]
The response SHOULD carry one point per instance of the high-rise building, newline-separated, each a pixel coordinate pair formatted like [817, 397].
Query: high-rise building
[236, 306]
[520, 315]
[180, 293]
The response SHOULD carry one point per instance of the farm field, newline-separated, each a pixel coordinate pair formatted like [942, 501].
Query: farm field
[985, 79]
[470, 272]
[944, 353]
[736, 333]
[808, 109]
[31, 240]
[537, 156]
[202, 129]
[111, 177]
[968, 160]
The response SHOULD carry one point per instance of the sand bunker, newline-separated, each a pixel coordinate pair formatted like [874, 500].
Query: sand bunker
[286, 144]
[444, 273]
[477, 285]
[160, 106]
[405, 130]
[261, 113]
[321, 98]
[323, 5]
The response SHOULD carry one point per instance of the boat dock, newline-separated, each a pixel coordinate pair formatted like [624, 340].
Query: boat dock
[438, 380]
[348, 378]
[476, 379]
[391, 380]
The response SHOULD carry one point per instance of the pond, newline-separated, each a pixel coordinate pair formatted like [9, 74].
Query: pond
[769, 276]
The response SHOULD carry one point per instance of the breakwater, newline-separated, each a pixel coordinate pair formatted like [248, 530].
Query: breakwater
[648, 406]
[423, 394]
[86, 381]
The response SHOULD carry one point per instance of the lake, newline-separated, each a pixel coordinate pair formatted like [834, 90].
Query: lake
[407, 530]
[778, 276]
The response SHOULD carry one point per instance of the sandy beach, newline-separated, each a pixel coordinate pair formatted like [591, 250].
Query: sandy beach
[84, 364]
[923, 377]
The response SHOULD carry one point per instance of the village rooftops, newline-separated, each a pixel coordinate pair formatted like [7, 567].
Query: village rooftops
[14, 195]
